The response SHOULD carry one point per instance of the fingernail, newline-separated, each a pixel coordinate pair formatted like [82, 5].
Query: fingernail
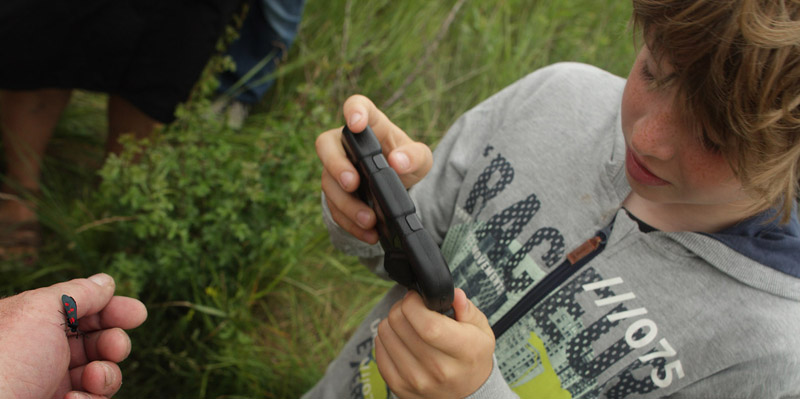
[109, 375]
[402, 160]
[347, 179]
[101, 279]
[362, 217]
[77, 395]
[371, 236]
[354, 118]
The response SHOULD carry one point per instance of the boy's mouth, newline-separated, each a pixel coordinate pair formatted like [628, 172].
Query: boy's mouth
[638, 172]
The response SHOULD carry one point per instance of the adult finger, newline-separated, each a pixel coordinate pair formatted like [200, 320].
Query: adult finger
[112, 345]
[102, 337]
[83, 395]
[90, 294]
[122, 312]
[98, 377]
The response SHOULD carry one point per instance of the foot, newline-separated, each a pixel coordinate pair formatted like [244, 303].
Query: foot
[234, 111]
[20, 235]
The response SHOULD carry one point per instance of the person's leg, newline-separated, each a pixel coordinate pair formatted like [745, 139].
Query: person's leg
[266, 35]
[123, 118]
[27, 119]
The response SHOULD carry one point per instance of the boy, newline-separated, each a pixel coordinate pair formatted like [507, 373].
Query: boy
[616, 238]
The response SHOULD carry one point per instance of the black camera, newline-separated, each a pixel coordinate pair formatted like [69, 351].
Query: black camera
[411, 257]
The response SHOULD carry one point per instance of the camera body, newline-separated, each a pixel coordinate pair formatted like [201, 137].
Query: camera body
[411, 258]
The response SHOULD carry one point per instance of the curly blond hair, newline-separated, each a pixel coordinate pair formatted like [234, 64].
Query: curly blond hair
[737, 72]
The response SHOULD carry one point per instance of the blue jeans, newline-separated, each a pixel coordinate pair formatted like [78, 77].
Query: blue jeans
[266, 35]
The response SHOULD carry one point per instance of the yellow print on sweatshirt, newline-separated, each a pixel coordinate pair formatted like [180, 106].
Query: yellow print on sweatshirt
[537, 379]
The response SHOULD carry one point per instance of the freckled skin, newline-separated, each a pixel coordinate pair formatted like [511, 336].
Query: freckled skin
[702, 193]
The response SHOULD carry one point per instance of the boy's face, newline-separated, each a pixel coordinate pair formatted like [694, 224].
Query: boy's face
[665, 163]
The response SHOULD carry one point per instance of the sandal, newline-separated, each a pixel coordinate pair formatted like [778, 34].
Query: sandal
[19, 240]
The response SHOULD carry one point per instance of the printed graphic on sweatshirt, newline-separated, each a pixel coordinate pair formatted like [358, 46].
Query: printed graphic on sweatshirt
[557, 347]
[591, 359]
[367, 382]
[509, 262]
[556, 350]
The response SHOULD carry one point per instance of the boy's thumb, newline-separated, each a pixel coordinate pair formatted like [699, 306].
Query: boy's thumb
[467, 312]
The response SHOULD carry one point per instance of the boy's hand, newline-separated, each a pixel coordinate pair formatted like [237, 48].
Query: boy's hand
[423, 354]
[411, 160]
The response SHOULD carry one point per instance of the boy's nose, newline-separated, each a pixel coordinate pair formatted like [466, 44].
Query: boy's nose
[655, 136]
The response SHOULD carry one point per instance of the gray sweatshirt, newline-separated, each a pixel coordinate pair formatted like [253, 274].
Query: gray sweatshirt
[521, 181]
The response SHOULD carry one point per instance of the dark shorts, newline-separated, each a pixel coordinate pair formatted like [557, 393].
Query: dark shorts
[150, 52]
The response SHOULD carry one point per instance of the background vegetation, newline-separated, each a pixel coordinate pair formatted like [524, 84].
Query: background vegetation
[219, 232]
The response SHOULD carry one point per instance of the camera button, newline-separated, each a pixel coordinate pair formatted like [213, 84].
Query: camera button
[413, 222]
[380, 162]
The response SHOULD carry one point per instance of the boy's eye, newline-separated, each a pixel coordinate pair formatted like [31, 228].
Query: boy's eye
[647, 76]
[652, 80]
[708, 144]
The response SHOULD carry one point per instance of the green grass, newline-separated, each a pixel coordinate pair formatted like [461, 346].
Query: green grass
[219, 232]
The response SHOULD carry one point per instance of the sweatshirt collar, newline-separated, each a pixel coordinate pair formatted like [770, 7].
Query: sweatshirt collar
[764, 239]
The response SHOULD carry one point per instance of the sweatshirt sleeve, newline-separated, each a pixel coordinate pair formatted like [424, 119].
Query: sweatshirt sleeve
[370, 255]
[495, 387]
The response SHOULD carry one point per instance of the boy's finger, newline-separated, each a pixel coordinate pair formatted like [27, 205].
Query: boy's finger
[442, 332]
[411, 161]
[336, 200]
[402, 355]
[334, 160]
[398, 322]
[360, 111]
[369, 236]
[386, 365]
[467, 312]
[348, 204]
[434, 328]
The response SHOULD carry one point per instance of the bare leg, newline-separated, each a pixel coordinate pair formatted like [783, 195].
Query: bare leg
[123, 118]
[27, 119]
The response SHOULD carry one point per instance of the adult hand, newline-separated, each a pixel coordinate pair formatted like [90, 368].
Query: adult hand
[423, 354]
[38, 359]
[410, 159]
